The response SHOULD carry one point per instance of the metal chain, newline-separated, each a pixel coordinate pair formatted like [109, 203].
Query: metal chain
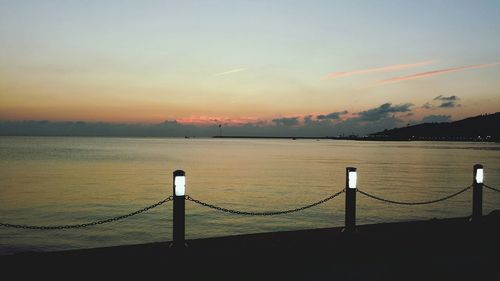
[491, 188]
[68, 226]
[271, 213]
[414, 203]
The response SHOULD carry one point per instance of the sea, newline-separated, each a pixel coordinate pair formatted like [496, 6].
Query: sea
[50, 181]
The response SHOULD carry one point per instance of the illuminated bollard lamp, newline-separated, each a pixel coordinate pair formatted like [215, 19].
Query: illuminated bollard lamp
[179, 203]
[350, 200]
[477, 192]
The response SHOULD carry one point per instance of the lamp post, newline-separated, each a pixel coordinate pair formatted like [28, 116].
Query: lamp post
[350, 199]
[477, 192]
[179, 190]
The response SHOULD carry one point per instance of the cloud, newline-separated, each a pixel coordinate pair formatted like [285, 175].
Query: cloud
[427, 105]
[444, 98]
[333, 115]
[286, 121]
[436, 118]
[430, 73]
[308, 119]
[335, 75]
[230, 71]
[365, 122]
[446, 102]
[383, 111]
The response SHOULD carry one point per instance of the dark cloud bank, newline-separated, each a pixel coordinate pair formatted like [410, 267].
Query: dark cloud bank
[385, 116]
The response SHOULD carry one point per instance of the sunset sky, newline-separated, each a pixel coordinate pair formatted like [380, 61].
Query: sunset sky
[238, 62]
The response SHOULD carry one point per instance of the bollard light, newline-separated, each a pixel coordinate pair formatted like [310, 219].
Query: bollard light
[353, 178]
[179, 210]
[477, 192]
[180, 185]
[479, 175]
[351, 181]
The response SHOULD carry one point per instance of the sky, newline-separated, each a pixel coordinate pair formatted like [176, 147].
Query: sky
[336, 66]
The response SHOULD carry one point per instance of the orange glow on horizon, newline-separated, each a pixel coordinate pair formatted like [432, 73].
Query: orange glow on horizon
[216, 120]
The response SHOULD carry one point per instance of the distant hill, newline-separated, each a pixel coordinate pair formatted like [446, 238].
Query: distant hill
[479, 128]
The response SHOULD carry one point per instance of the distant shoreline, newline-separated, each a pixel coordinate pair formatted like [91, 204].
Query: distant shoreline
[366, 138]
[352, 138]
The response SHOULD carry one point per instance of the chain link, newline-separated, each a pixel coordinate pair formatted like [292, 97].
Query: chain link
[414, 203]
[271, 213]
[491, 188]
[69, 226]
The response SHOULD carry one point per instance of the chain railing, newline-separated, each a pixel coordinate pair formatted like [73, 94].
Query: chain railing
[414, 203]
[82, 225]
[237, 212]
[269, 213]
[179, 197]
[491, 188]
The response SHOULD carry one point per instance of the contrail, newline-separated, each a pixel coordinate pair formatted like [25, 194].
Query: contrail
[430, 73]
[335, 75]
[230, 71]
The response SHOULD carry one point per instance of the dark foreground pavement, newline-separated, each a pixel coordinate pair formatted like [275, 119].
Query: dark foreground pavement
[445, 249]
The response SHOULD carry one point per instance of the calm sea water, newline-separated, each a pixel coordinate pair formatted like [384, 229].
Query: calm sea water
[51, 181]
